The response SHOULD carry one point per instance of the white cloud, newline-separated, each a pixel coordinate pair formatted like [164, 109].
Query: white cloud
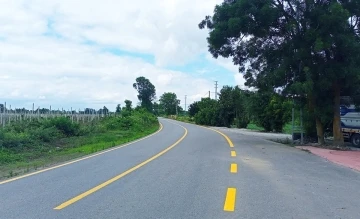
[228, 64]
[43, 57]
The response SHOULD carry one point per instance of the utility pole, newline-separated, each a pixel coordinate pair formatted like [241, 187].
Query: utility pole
[216, 86]
[185, 103]
[209, 94]
[176, 107]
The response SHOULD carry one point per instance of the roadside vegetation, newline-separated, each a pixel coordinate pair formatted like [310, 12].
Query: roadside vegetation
[28, 145]
[307, 50]
[256, 110]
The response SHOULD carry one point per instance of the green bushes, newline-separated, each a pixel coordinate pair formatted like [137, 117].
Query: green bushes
[237, 107]
[28, 141]
[270, 111]
[45, 134]
[64, 125]
[208, 113]
[16, 141]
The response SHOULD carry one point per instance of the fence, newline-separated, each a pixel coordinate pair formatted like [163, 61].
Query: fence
[7, 116]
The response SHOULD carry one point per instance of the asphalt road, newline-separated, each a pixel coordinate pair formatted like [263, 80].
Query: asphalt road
[186, 171]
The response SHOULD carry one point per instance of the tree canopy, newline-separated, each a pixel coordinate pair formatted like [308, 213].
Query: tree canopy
[169, 103]
[146, 92]
[193, 108]
[308, 48]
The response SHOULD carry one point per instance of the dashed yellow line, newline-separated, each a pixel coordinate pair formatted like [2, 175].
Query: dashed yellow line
[233, 168]
[230, 199]
[108, 182]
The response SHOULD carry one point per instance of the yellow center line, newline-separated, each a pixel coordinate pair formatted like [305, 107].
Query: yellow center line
[233, 153]
[233, 168]
[226, 137]
[80, 159]
[230, 199]
[108, 182]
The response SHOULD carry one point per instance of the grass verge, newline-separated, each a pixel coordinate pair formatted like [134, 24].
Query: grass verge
[20, 155]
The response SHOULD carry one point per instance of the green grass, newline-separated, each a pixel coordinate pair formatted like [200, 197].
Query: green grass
[287, 129]
[20, 157]
[108, 140]
[181, 118]
[253, 126]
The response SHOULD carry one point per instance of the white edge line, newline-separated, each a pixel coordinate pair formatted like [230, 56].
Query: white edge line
[80, 159]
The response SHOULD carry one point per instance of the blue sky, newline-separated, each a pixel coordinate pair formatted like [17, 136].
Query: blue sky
[87, 53]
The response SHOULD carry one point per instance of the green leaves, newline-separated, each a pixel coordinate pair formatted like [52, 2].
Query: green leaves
[169, 103]
[208, 112]
[303, 47]
[146, 92]
[193, 109]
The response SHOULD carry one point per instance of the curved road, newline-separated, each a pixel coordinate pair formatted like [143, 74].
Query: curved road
[187, 171]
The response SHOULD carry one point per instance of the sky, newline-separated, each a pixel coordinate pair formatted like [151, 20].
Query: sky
[88, 53]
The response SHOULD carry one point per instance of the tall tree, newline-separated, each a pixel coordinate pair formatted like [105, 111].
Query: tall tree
[241, 105]
[169, 102]
[118, 109]
[304, 47]
[226, 105]
[128, 105]
[146, 92]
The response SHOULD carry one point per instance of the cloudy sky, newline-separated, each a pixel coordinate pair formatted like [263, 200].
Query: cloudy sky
[87, 53]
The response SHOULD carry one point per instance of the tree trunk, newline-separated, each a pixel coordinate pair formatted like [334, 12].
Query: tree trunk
[319, 125]
[320, 131]
[338, 136]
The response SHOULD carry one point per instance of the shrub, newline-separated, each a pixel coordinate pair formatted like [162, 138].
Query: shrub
[66, 126]
[7, 157]
[45, 134]
[17, 141]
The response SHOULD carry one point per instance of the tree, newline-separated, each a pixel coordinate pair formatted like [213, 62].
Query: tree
[127, 110]
[241, 105]
[146, 92]
[169, 102]
[118, 109]
[270, 110]
[305, 47]
[105, 110]
[128, 105]
[208, 112]
[90, 111]
[232, 107]
[193, 108]
[156, 109]
[226, 106]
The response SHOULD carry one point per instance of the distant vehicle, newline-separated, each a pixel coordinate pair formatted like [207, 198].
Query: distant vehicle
[350, 124]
